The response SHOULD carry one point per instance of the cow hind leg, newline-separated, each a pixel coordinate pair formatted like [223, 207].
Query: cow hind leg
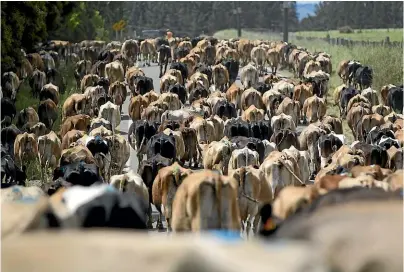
[149, 224]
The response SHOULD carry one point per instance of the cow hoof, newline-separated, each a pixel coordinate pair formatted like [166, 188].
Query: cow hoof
[160, 226]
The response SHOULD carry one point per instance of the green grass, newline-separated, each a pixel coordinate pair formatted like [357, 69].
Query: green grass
[387, 64]
[395, 34]
[25, 99]
[232, 33]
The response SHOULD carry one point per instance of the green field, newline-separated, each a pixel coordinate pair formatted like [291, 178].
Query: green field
[395, 34]
[387, 63]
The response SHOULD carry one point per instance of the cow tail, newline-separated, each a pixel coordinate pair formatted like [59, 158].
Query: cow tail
[124, 184]
[242, 179]
[176, 174]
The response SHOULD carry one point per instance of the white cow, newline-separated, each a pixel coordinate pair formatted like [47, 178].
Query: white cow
[110, 112]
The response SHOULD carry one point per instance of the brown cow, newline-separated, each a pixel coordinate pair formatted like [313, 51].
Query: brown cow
[252, 114]
[202, 201]
[314, 108]
[25, 116]
[48, 113]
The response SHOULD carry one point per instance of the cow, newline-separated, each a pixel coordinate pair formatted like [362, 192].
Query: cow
[280, 171]
[131, 182]
[165, 185]
[327, 146]
[25, 148]
[7, 109]
[114, 71]
[252, 114]
[164, 53]
[47, 113]
[79, 122]
[76, 104]
[49, 91]
[25, 116]
[117, 92]
[204, 130]
[249, 75]
[243, 157]
[253, 192]
[273, 59]
[314, 108]
[190, 138]
[224, 110]
[395, 158]
[284, 138]
[11, 174]
[346, 95]
[136, 106]
[198, 190]
[259, 57]
[363, 77]
[88, 80]
[395, 99]
[251, 97]
[110, 112]
[8, 136]
[37, 81]
[49, 150]
[290, 107]
[220, 77]
[119, 149]
[147, 49]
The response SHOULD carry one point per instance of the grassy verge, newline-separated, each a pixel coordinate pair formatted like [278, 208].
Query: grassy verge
[387, 64]
[395, 34]
[25, 99]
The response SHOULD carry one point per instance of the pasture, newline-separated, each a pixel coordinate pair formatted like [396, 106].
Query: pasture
[387, 63]
[395, 34]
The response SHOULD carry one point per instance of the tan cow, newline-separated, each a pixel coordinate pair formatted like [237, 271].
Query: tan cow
[180, 147]
[136, 106]
[75, 104]
[342, 71]
[166, 81]
[251, 97]
[259, 57]
[282, 121]
[177, 74]
[79, 122]
[280, 171]
[120, 153]
[216, 155]
[301, 93]
[314, 108]
[204, 130]
[172, 100]
[100, 131]
[110, 112]
[292, 198]
[366, 123]
[206, 200]
[49, 150]
[381, 109]
[243, 157]
[25, 148]
[131, 182]
[252, 114]
[290, 107]
[371, 95]
[114, 71]
[117, 91]
[311, 66]
[273, 59]
[70, 138]
[165, 186]
[220, 77]
[233, 95]
[253, 192]
[395, 158]
[249, 75]
[88, 81]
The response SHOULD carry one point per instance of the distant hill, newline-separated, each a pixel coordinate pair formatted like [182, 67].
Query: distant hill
[305, 9]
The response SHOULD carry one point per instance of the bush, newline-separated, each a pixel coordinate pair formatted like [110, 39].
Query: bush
[346, 30]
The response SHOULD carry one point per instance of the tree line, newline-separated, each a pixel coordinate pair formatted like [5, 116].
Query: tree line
[25, 24]
[357, 15]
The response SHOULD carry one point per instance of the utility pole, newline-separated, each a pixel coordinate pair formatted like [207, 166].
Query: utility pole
[237, 12]
[286, 6]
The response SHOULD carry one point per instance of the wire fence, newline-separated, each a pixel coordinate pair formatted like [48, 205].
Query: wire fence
[351, 43]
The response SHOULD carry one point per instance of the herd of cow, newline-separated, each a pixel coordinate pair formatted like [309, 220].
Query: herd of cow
[218, 155]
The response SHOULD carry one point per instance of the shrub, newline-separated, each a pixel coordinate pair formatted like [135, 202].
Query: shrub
[346, 30]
